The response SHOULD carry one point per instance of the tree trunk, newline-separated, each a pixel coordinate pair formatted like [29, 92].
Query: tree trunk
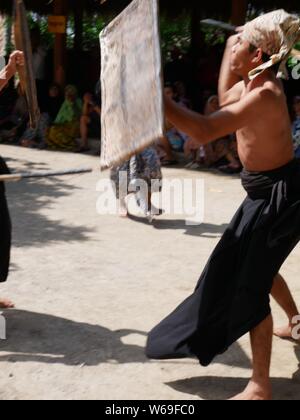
[60, 45]
[78, 17]
[239, 12]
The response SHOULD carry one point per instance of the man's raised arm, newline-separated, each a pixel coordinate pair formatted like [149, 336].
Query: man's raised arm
[230, 85]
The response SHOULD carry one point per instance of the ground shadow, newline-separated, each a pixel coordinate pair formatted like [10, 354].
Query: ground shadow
[35, 337]
[183, 163]
[216, 388]
[17, 165]
[27, 200]
[223, 388]
[48, 339]
[205, 230]
[235, 356]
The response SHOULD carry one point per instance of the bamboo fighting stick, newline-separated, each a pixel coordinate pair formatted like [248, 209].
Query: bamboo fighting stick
[218, 24]
[26, 75]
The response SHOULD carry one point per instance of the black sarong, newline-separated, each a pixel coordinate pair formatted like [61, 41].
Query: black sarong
[232, 296]
[5, 228]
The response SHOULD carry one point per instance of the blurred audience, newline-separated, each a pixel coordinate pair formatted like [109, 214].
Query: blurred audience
[221, 153]
[296, 126]
[52, 104]
[66, 128]
[15, 123]
[91, 118]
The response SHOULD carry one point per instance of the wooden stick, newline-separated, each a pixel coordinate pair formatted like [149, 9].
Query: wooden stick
[219, 24]
[43, 174]
[26, 75]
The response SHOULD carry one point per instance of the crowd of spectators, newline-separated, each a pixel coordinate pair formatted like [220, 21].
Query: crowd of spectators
[69, 119]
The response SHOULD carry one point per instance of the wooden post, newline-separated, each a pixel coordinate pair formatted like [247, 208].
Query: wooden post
[60, 46]
[78, 18]
[197, 48]
[239, 12]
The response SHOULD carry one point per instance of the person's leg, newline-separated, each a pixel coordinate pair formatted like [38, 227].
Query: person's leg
[123, 211]
[84, 131]
[282, 295]
[259, 387]
[5, 238]
[233, 162]
[165, 144]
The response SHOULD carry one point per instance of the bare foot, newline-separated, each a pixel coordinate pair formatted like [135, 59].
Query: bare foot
[123, 212]
[6, 304]
[285, 333]
[255, 392]
[123, 215]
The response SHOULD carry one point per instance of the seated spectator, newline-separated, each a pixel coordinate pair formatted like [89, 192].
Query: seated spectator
[174, 140]
[296, 126]
[215, 153]
[15, 123]
[181, 94]
[222, 149]
[90, 119]
[66, 129]
[195, 153]
[8, 97]
[52, 103]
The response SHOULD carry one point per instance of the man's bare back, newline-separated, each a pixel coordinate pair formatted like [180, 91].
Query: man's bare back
[266, 142]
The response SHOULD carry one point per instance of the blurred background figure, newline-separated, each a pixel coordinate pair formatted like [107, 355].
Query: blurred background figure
[15, 123]
[51, 106]
[90, 122]
[296, 126]
[66, 129]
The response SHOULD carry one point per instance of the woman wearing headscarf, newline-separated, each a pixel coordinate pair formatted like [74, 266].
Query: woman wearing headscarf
[66, 129]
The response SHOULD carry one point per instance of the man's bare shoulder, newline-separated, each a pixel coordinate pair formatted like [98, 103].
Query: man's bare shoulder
[268, 88]
[233, 95]
[269, 94]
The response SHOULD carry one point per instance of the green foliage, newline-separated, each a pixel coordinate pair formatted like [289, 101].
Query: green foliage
[92, 26]
[41, 22]
[213, 36]
[175, 33]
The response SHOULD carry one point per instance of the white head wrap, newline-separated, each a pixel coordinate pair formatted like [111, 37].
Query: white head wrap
[276, 33]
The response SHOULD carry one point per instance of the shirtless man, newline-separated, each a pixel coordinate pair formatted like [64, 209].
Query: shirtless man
[231, 90]
[254, 106]
[16, 59]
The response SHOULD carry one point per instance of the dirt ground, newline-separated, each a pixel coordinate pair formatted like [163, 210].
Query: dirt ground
[89, 287]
